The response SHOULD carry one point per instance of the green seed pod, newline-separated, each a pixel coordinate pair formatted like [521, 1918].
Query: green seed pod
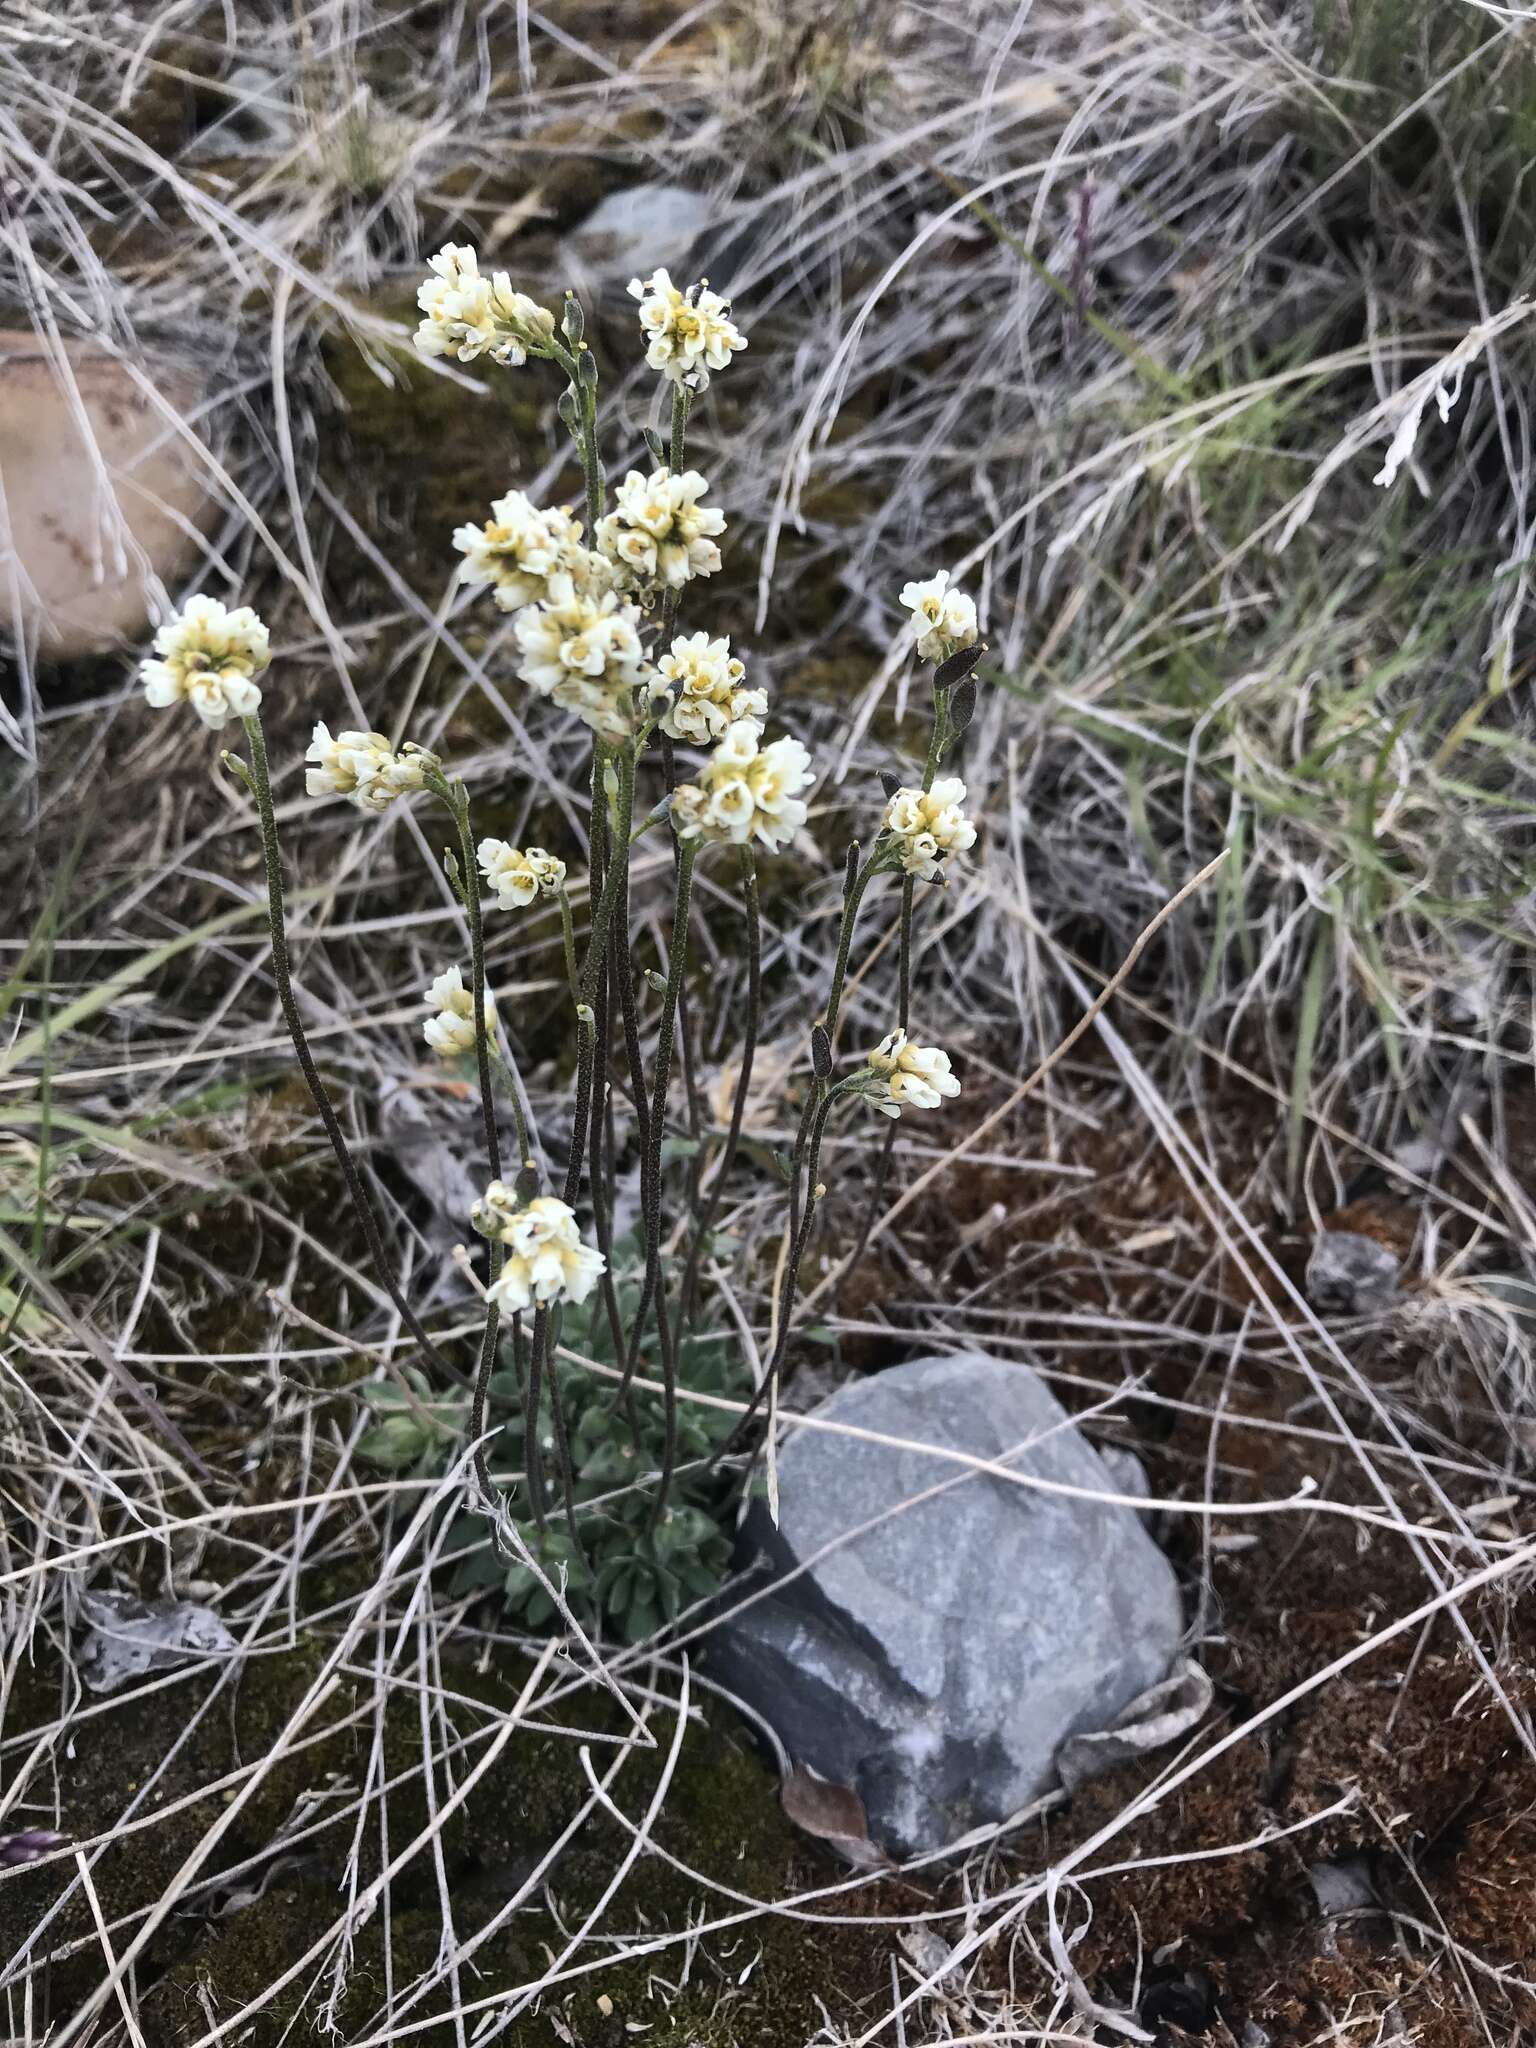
[949, 674]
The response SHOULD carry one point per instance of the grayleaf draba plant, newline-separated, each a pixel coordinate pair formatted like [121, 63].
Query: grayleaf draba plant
[595, 604]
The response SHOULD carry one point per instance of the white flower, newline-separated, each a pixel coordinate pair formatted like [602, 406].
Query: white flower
[944, 619]
[746, 791]
[364, 767]
[700, 682]
[207, 657]
[466, 315]
[659, 530]
[688, 333]
[516, 875]
[909, 1076]
[519, 548]
[495, 1209]
[546, 1259]
[451, 1028]
[582, 648]
[928, 825]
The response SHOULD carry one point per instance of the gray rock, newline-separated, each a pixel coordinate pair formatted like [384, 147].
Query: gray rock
[127, 1637]
[635, 231]
[937, 1659]
[1351, 1273]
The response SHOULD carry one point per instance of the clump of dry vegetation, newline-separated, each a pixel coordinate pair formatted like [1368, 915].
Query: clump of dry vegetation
[1118, 312]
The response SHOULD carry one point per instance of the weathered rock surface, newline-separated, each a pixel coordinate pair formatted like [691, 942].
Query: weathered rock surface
[1352, 1273]
[638, 230]
[935, 1656]
[102, 496]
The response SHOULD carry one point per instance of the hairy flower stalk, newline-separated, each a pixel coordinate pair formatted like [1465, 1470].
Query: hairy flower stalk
[650, 1178]
[705, 1223]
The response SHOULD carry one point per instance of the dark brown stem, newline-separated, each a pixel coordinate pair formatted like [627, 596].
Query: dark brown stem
[262, 789]
[717, 1186]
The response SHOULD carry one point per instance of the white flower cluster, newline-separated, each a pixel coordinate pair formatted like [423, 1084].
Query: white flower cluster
[546, 1259]
[927, 825]
[909, 1076]
[364, 767]
[746, 791]
[582, 648]
[519, 874]
[688, 333]
[208, 657]
[943, 617]
[467, 315]
[702, 686]
[450, 1029]
[519, 548]
[659, 531]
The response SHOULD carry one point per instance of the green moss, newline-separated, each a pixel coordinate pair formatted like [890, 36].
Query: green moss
[428, 451]
[721, 1816]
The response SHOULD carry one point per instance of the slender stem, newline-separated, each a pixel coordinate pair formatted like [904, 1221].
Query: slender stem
[584, 428]
[904, 955]
[591, 458]
[789, 1285]
[600, 1120]
[851, 904]
[618, 872]
[682, 405]
[557, 1419]
[593, 965]
[568, 935]
[722, 1175]
[938, 739]
[533, 1450]
[262, 790]
[456, 796]
[650, 1177]
[502, 1067]
[622, 969]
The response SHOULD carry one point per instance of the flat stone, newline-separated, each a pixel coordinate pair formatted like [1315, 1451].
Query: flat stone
[1352, 1273]
[93, 514]
[635, 231]
[935, 1656]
